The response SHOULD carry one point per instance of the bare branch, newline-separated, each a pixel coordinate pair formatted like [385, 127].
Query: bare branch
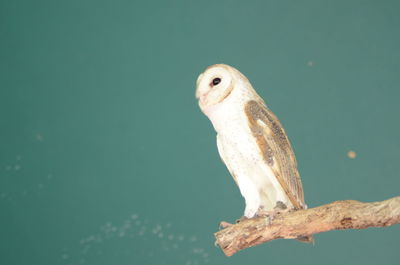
[333, 216]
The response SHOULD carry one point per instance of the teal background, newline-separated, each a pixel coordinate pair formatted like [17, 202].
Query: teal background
[106, 158]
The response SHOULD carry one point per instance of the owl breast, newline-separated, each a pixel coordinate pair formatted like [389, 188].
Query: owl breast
[239, 151]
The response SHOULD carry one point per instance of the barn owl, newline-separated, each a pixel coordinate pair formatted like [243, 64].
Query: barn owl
[251, 142]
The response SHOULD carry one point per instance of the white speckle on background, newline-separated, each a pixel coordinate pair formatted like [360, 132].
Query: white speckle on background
[156, 240]
[134, 216]
[39, 137]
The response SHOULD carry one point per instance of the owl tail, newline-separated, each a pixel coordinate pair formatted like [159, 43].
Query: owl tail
[306, 239]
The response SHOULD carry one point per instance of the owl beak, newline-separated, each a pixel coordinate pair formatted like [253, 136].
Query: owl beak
[202, 97]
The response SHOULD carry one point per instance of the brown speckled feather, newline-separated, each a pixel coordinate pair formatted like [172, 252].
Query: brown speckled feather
[276, 149]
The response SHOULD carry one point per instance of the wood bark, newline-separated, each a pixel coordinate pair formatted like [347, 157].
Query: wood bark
[291, 225]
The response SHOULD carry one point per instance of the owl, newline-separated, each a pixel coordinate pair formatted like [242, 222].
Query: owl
[251, 142]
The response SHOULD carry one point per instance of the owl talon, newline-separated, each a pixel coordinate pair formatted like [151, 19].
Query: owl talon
[269, 215]
[279, 209]
[263, 213]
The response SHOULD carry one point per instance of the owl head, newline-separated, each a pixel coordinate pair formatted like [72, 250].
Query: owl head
[215, 84]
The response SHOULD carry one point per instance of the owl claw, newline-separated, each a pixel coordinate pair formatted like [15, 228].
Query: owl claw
[264, 213]
[272, 213]
[269, 215]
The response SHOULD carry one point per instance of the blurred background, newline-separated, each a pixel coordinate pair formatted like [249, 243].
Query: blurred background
[106, 158]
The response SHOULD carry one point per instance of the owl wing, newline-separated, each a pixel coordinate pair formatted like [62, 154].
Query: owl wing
[276, 150]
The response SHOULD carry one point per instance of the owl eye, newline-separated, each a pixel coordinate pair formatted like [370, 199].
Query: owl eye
[216, 81]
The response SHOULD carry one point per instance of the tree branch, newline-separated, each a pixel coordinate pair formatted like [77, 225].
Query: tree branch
[333, 216]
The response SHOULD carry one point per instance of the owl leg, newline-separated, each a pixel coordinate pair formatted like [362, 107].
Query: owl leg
[251, 195]
[279, 208]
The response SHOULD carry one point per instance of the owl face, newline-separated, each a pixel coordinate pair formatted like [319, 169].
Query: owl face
[214, 85]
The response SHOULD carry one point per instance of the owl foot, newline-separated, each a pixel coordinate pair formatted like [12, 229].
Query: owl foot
[280, 208]
[270, 215]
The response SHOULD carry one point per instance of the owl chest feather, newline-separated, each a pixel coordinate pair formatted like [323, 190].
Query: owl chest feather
[241, 154]
[230, 122]
[240, 151]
